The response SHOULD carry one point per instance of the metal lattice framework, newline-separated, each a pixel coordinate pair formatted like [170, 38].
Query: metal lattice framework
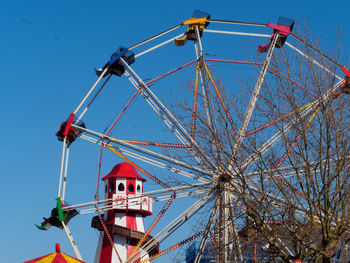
[224, 146]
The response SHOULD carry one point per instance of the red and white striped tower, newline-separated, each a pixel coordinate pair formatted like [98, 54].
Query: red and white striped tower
[124, 187]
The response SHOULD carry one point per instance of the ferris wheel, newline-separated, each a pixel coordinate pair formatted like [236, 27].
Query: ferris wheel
[204, 143]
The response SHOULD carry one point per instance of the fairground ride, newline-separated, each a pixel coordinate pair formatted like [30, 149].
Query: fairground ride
[212, 124]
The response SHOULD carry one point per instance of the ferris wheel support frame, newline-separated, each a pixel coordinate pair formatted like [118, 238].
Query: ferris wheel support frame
[206, 232]
[176, 127]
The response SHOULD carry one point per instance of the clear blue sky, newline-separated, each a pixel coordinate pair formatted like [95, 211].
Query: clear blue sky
[49, 50]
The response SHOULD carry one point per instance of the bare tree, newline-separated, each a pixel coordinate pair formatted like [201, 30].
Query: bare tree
[282, 173]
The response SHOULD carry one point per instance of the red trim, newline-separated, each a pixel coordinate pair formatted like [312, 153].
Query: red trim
[283, 30]
[130, 217]
[170, 72]
[69, 124]
[131, 224]
[37, 259]
[58, 249]
[59, 259]
[347, 72]
[124, 170]
[106, 250]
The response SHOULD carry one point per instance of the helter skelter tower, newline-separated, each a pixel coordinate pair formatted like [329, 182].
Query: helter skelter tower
[124, 219]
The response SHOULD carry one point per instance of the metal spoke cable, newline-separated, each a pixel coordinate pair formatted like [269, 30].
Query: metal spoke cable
[167, 117]
[254, 97]
[281, 243]
[272, 69]
[139, 149]
[171, 71]
[280, 161]
[154, 178]
[169, 249]
[223, 104]
[177, 222]
[266, 125]
[167, 167]
[148, 160]
[315, 49]
[236, 239]
[206, 232]
[288, 127]
[299, 167]
[313, 60]
[195, 101]
[150, 228]
[137, 201]
[207, 96]
[155, 144]
[149, 193]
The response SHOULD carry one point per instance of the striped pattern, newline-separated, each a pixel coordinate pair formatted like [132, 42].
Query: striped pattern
[55, 258]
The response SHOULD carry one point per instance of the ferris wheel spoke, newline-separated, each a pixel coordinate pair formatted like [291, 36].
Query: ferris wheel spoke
[277, 201]
[195, 103]
[206, 232]
[283, 117]
[92, 99]
[193, 147]
[176, 223]
[313, 60]
[254, 97]
[155, 36]
[63, 158]
[210, 112]
[65, 174]
[147, 153]
[168, 118]
[137, 200]
[290, 147]
[177, 189]
[315, 49]
[91, 90]
[236, 240]
[282, 175]
[162, 165]
[274, 200]
[293, 169]
[287, 128]
[222, 102]
[157, 46]
[279, 241]
[71, 240]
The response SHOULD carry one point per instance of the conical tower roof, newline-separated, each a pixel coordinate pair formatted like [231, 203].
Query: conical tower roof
[124, 170]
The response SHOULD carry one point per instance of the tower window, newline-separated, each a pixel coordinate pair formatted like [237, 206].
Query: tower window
[121, 187]
[106, 188]
[138, 189]
[112, 188]
[131, 188]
